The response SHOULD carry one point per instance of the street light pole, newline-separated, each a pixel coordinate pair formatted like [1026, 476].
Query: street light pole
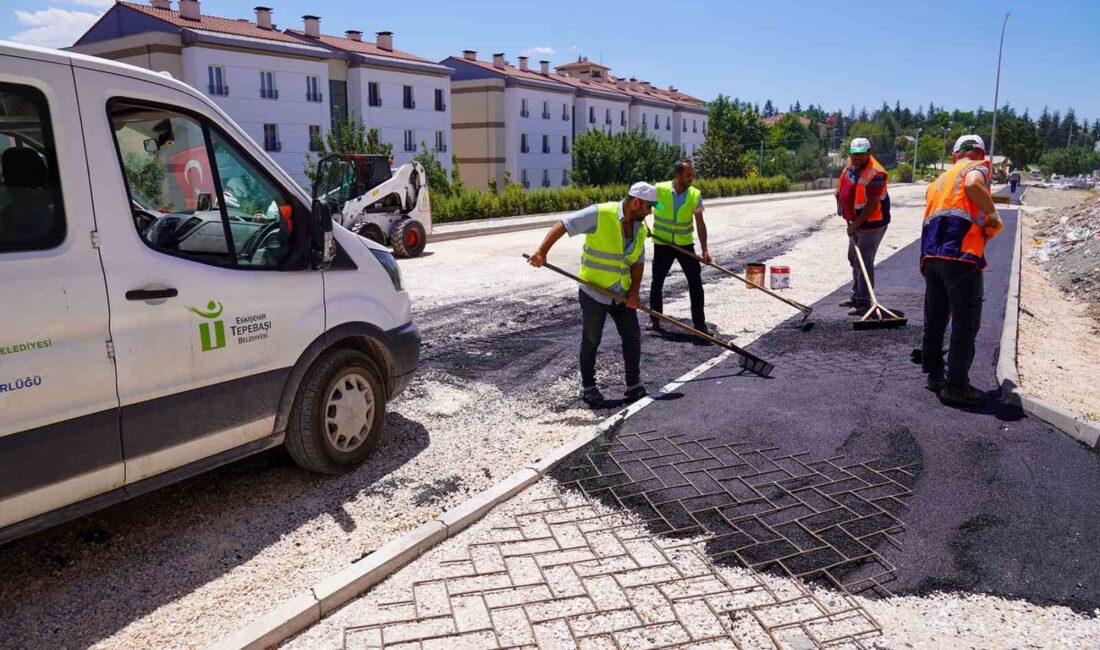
[943, 152]
[997, 88]
[916, 156]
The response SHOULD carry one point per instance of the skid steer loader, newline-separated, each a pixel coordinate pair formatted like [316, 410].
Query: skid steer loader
[391, 207]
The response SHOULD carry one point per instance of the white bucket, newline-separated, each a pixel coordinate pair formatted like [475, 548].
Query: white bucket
[781, 277]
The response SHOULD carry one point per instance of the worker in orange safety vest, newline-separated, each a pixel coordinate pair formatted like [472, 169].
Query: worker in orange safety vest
[959, 218]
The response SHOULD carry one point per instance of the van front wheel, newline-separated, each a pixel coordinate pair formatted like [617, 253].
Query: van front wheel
[338, 413]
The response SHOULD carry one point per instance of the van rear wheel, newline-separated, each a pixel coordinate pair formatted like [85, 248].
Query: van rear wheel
[338, 413]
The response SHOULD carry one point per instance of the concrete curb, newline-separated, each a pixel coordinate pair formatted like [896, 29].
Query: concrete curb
[517, 224]
[1072, 424]
[304, 609]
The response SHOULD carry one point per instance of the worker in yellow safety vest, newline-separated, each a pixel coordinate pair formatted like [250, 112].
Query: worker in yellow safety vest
[959, 218]
[613, 258]
[677, 217]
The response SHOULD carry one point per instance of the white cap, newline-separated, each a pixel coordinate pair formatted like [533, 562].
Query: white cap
[859, 145]
[644, 191]
[968, 142]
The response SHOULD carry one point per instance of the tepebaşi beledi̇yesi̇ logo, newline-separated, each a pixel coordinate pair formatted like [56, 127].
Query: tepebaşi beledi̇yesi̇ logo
[246, 329]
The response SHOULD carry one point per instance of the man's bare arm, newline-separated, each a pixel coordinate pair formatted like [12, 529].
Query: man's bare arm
[538, 258]
[701, 230]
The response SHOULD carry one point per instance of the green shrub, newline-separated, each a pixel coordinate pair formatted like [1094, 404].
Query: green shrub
[466, 204]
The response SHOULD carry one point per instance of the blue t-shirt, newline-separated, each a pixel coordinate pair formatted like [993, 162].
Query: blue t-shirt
[584, 222]
[678, 201]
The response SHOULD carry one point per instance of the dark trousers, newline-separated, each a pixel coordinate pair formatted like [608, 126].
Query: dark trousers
[1012, 186]
[953, 290]
[663, 256]
[594, 314]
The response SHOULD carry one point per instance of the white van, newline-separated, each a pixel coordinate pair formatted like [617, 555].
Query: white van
[170, 300]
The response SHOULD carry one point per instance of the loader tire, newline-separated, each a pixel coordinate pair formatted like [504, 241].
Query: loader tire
[370, 231]
[409, 238]
[337, 417]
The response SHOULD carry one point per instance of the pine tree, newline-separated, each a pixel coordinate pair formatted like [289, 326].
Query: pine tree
[769, 108]
[797, 106]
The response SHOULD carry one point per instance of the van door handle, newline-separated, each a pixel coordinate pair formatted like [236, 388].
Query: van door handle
[151, 294]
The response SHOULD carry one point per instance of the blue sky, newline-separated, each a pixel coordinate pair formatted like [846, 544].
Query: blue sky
[916, 52]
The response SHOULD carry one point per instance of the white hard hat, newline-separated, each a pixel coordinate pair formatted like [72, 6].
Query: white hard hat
[968, 142]
[644, 191]
[859, 145]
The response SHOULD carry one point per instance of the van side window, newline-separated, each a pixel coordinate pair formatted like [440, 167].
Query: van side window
[261, 217]
[31, 212]
[194, 195]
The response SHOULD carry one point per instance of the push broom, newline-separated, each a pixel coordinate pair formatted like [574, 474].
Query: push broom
[806, 311]
[746, 360]
[877, 317]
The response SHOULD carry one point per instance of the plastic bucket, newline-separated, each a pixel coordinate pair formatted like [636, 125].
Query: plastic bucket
[781, 277]
[755, 272]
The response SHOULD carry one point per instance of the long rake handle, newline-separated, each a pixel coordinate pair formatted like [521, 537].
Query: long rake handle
[867, 280]
[656, 314]
[793, 303]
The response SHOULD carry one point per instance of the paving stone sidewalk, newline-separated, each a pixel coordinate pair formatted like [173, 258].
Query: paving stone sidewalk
[750, 513]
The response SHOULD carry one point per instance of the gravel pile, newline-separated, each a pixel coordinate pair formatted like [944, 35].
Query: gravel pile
[1068, 245]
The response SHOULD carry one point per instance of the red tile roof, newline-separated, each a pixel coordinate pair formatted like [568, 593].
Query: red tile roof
[213, 24]
[512, 71]
[360, 47]
[775, 118]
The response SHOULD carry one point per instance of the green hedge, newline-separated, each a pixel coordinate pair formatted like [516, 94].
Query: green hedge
[514, 200]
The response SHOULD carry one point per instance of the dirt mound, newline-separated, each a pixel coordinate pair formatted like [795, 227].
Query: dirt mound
[1068, 246]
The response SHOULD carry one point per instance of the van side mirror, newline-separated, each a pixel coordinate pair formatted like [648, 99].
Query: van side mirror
[322, 244]
[150, 145]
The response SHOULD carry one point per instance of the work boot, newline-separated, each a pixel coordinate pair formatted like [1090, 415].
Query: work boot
[655, 325]
[848, 303]
[935, 384]
[962, 395]
[635, 393]
[858, 309]
[592, 396]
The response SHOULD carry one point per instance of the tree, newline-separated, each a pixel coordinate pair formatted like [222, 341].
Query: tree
[769, 108]
[456, 177]
[787, 132]
[1070, 161]
[348, 135]
[145, 175]
[438, 184]
[1019, 141]
[601, 159]
[735, 128]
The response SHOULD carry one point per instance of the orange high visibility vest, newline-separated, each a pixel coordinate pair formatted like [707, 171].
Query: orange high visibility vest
[954, 227]
[866, 176]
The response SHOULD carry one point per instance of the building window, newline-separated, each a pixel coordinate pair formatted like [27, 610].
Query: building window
[314, 137]
[546, 110]
[523, 112]
[267, 86]
[684, 123]
[694, 126]
[704, 127]
[565, 112]
[668, 123]
[591, 114]
[523, 177]
[313, 89]
[622, 118]
[374, 97]
[216, 76]
[440, 141]
[271, 138]
[407, 99]
[644, 124]
[523, 148]
[565, 144]
[545, 143]
[564, 177]
[440, 105]
[546, 178]
[337, 100]
[410, 141]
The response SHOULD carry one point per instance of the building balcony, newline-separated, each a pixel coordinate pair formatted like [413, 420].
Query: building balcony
[269, 93]
[441, 107]
[314, 97]
[409, 104]
[546, 182]
[565, 117]
[376, 101]
[273, 146]
[546, 149]
[524, 113]
[218, 90]
[524, 149]
[546, 116]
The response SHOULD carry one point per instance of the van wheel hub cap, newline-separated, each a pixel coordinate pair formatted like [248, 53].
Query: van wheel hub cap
[349, 412]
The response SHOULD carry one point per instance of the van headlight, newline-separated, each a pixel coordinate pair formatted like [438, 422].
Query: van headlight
[389, 262]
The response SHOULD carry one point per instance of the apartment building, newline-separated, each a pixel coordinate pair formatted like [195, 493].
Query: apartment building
[284, 87]
[505, 116]
[511, 119]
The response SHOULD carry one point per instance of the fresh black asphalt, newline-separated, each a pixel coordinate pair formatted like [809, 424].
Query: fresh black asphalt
[1002, 503]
